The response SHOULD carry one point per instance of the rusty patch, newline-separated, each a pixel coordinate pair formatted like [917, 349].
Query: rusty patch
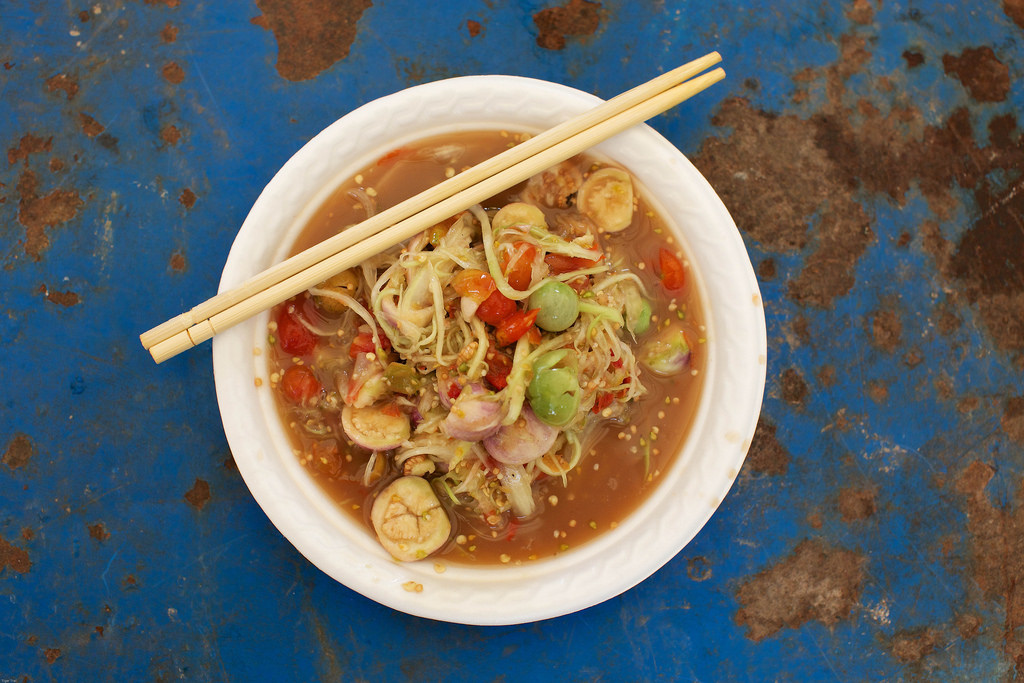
[766, 455]
[187, 198]
[575, 18]
[473, 27]
[826, 376]
[178, 262]
[979, 70]
[1015, 10]
[886, 330]
[747, 174]
[170, 134]
[90, 126]
[170, 3]
[698, 568]
[912, 646]
[816, 582]
[64, 83]
[861, 12]
[199, 495]
[311, 34]
[52, 654]
[1012, 420]
[28, 533]
[766, 269]
[913, 58]
[66, 298]
[19, 451]
[169, 33]
[39, 213]
[56, 165]
[173, 73]
[14, 557]
[99, 531]
[814, 166]
[856, 504]
[794, 388]
[28, 145]
[878, 391]
[997, 535]
[969, 625]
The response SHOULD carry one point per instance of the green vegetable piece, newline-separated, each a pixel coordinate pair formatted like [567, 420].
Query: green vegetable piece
[638, 312]
[554, 391]
[559, 306]
[403, 379]
[668, 353]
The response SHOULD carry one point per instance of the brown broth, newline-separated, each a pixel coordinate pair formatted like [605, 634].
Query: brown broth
[624, 462]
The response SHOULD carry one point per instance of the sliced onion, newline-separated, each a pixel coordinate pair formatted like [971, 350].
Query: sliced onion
[524, 440]
[474, 415]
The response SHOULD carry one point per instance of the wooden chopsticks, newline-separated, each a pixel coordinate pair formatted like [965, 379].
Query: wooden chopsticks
[405, 220]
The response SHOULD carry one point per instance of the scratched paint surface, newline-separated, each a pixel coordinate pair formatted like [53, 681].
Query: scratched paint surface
[870, 153]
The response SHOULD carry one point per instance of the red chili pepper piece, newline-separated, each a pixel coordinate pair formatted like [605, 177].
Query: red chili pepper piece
[515, 326]
[672, 274]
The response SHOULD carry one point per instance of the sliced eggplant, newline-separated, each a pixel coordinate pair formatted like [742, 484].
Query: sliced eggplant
[379, 428]
[606, 198]
[409, 520]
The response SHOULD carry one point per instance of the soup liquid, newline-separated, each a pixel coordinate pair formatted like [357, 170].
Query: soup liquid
[622, 463]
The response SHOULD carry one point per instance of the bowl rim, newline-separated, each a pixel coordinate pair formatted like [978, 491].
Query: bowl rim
[597, 570]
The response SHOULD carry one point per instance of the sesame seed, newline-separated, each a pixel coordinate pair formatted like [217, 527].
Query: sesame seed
[359, 179]
[505, 558]
[371, 192]
[553, 500]
[258, 381]
[449, 172]
[440, 568]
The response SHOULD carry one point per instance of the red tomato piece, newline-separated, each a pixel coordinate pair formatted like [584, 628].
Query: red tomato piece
[300, 385]
[361, 343]
[515, 326]
[560, 263]
[495, 308]
[499, 365]
[476, 284]
[391, 409]
[672, 274]
[517, 264]
[293, 336]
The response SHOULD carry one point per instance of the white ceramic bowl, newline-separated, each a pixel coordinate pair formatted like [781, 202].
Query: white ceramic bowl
[593, 572]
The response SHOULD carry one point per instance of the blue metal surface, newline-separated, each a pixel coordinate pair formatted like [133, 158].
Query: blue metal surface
[870, 153]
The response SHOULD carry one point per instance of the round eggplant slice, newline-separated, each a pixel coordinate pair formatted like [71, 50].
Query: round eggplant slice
[409, 520]
[375, 427]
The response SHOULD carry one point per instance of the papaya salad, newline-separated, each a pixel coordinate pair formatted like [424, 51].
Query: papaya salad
[459, 392]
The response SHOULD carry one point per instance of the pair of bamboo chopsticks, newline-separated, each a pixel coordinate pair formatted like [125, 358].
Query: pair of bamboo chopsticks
[405, 220]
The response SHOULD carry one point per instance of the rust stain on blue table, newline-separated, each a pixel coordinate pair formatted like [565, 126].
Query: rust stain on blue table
[870, 152]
